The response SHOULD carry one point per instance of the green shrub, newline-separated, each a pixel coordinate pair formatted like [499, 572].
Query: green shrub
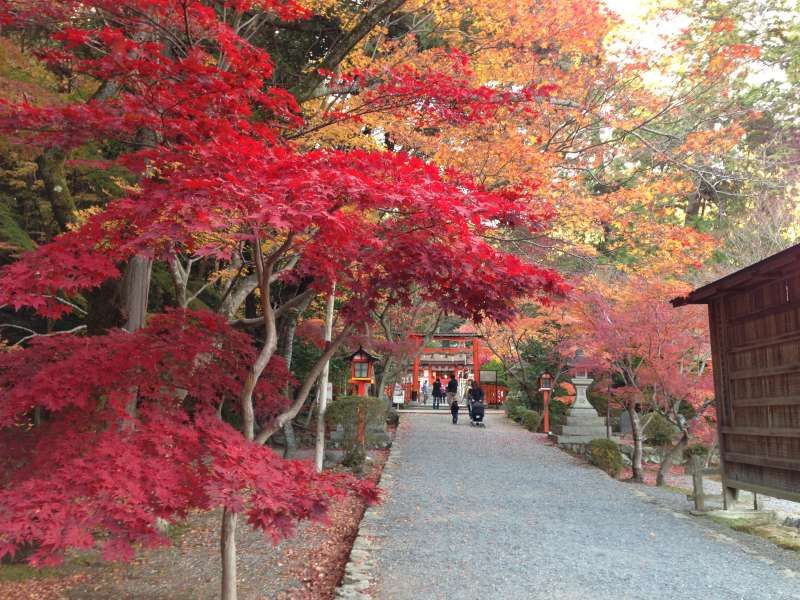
[696, 450]
[512, 403]
[354, 458]
[519, 414]
[531, 420]
[392, 417]
[658, 431]
[558, 413]
[605, 454]
[344, 411]
[513, 411]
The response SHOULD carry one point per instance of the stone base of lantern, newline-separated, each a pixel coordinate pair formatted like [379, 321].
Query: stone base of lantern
[583, 424]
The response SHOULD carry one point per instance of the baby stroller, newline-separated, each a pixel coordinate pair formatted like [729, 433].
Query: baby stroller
[476, 413]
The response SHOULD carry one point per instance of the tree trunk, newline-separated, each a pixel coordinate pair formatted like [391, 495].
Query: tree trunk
[636, 427]
[228, 550]
[302, 394]
[287, 349]
[382, 382]
[319, 449]
[136, 290]
[669, 458]
[136, 287]
[52, 173]
[106, 307]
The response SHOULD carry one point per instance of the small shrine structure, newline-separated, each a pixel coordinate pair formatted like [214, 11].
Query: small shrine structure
[754, 319]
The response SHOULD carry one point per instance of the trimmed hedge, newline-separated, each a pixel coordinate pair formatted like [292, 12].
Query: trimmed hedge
[344, 411]
[513, 403]
[392, 417]
[605, 454]
[531, 419]
[518, 413]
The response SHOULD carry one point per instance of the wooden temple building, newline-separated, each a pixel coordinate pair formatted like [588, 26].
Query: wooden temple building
[754, 318]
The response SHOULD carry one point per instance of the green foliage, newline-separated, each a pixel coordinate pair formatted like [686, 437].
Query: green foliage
[558, 413]
[516, 413]
[306, 354]
[513, 402]
[531, 420]
[496, 365]
[392, 417]
[606, 455]
[658, 431]
[12, 236]
[696, 450]
[517, 410]
[354, 458]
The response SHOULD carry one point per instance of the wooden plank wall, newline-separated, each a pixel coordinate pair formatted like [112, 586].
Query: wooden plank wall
[756, 342]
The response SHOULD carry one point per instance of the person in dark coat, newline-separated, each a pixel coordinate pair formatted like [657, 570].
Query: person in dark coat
[454, 411]
[476, 406]
[476, 392]
[452, 388]
[437, 393]
[469, 398]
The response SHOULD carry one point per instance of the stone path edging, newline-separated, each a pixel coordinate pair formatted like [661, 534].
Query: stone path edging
[358, 571]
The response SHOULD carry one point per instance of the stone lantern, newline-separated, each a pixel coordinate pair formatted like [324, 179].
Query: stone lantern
[583, 424]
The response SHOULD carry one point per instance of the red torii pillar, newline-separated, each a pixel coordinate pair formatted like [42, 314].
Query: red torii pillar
[476, 367]
[415, 375]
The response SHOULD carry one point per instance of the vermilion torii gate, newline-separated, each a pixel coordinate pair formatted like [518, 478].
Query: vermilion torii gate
[448, 353]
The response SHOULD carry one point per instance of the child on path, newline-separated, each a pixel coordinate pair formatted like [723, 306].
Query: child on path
[454, 411]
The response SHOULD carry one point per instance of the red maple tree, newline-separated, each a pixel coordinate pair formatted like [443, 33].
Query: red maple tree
[659, 357]
[132, 415]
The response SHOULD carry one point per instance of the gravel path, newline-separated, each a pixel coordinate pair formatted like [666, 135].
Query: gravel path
[497, 513]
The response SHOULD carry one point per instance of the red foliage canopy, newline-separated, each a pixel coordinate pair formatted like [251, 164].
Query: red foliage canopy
[91, 467]
[190, 101]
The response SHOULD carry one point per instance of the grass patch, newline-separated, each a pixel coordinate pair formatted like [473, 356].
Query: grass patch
[784, 537]
[16, 573]
[677, 490]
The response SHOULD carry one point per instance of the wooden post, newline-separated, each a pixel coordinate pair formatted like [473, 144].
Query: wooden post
[697, 465]
[730, 496]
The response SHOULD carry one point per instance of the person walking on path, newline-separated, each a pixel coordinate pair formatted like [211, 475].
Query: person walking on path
[454, 411]
[452, 388]
[425, 392]
[475, 402]
[475, 392]
[437, 393]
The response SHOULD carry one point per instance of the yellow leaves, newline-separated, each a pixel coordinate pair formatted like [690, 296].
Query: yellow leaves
[83, 215]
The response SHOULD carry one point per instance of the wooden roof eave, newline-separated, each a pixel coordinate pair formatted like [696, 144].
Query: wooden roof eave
[759, 272]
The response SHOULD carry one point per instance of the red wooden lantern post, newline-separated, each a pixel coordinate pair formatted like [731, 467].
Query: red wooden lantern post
[546, 386]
